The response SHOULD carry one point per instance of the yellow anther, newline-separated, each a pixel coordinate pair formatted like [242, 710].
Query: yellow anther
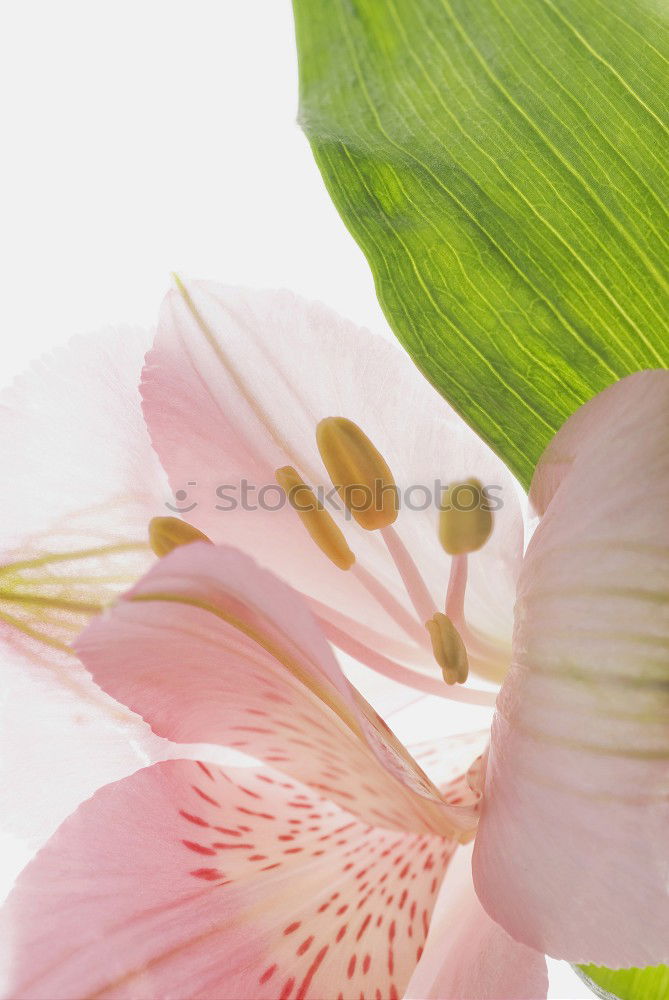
[359, 472]
[448, 648]
[167, 533]
[314, 517]
[465, 520]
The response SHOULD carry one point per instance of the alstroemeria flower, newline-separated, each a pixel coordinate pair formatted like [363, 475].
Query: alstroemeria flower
[572, 854]
[311, 873]
[80, 483]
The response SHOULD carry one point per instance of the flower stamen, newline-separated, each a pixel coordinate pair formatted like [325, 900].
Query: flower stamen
[448, 648]
[359, 472]
[168, 533]
[465, 521]
[396, 611]
[413, 582]
[326, 534]
[489, 657]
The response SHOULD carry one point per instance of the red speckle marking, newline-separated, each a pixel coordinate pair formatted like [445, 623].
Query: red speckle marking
[306, 944]
[267, 974]
[198, 848]
[351, 966]
[287, 989]
[211, 874]
[207, 798]
[363, 926]
[193, 819]
[292, 927]
[311, 972]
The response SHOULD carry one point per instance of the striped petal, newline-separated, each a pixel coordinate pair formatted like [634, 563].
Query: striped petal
[208, 647]
[572, 854]
[187, 880]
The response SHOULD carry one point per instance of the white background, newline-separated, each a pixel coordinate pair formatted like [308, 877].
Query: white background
[146, 137]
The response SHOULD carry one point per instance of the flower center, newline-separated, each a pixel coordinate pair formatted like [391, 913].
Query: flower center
[366, 485]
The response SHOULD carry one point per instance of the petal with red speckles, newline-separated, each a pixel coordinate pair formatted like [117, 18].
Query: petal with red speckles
[208, 647]
[186, 880]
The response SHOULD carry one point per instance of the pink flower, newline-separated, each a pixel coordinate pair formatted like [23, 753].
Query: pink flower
[314, 872]
[572, 852]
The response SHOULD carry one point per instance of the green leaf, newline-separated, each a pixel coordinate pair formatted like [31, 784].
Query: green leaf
[504, 165]
[628, 984]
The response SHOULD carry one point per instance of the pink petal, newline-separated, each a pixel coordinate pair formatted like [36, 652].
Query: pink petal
[470, 957]
[189, 881]
[233, 390]
[81, 483]
[572, 854]
[208, 647]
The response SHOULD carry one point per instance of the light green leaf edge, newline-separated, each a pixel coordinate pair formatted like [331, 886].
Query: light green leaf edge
[504, 165]
[627, 984]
